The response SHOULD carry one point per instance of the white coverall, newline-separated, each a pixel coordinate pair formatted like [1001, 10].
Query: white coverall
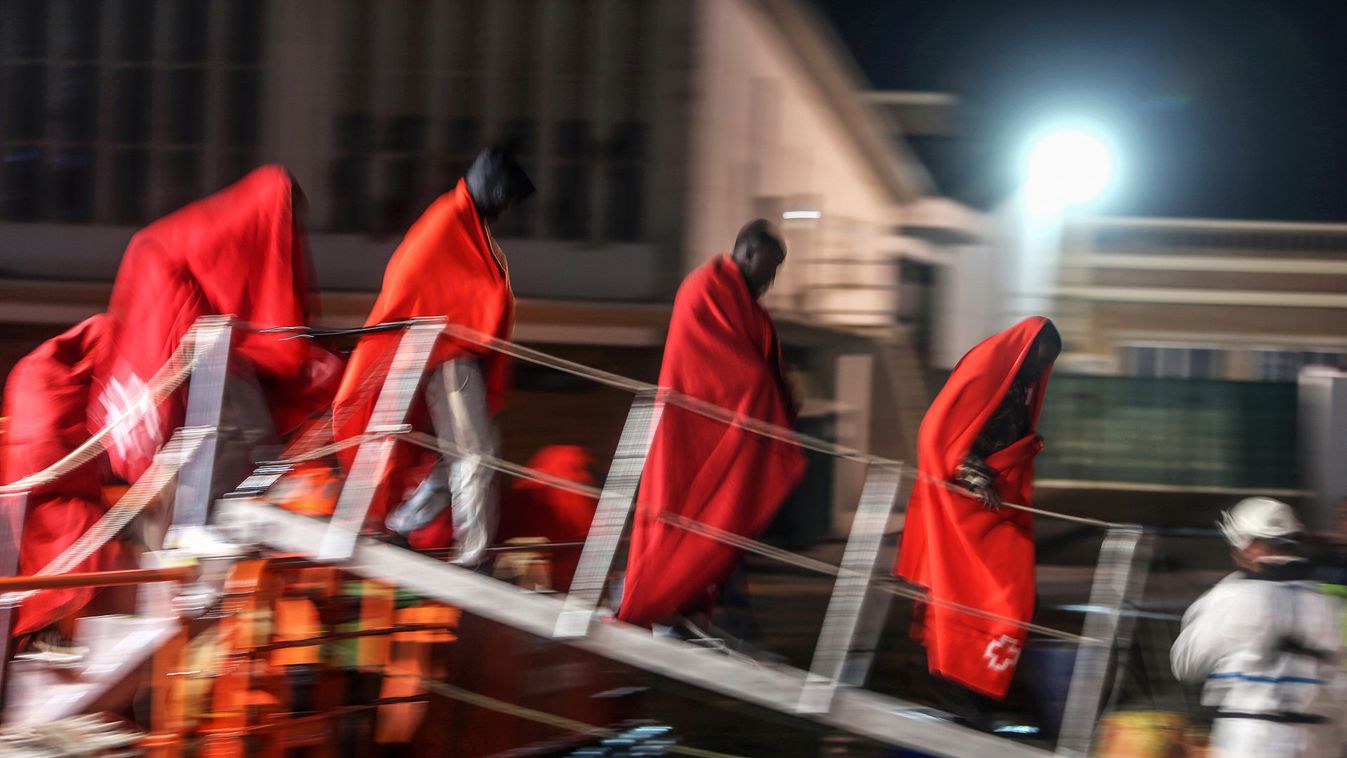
[1269, 653]
[456, 398]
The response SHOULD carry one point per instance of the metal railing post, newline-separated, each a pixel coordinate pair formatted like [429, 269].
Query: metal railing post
[1119, 577]
[213, 337]
[846, 608]
[13, 511]
[610, 519]
[389, 417]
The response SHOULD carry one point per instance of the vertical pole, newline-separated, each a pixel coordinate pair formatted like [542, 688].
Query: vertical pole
[848, 602]
[390, 413]
[1120, 575]
[205, 402]
[610, 519]
[870, 627]
[13, 510]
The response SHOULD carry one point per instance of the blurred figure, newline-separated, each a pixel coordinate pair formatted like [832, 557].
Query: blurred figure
[979, 436]
[241, 251]
[46, 402]
[722, 348]
[448, 265]
[1267, 644]
[532, 509]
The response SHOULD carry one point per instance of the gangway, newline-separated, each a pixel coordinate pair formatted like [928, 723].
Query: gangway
[831, 692]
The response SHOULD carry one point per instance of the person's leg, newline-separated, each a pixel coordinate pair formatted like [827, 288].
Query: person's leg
[470, 479]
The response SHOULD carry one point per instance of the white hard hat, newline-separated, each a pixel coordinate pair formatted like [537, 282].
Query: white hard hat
[1259, 518]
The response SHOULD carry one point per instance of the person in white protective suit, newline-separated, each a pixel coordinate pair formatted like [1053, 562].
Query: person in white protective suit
[1266, 643]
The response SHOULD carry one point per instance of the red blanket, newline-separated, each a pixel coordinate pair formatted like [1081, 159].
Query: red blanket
[236, 252]
[958, 549]
[46, 399]
[447, 265]
[722, 348]
[535, 509]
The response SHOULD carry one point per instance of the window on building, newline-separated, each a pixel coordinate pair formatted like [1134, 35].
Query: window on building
[108, 105]
[1171, 361]
[570, 204]
[520, 136]
[626, 180]
[1283, 364]
[534, 74]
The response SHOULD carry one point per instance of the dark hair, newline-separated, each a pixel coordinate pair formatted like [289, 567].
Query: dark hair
[757, 234]
[495, 181]
[1049, 337]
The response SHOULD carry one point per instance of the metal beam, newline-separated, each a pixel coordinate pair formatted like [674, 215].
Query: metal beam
[1119, 575]
[610, 519]
[13, 511]
[867, 714]
[371, 459]
[850, 592]
[212, 337]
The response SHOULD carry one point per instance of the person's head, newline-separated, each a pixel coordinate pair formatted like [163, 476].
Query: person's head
[496, 183]
[1259, 528]
[759, 252]
[1047, 346]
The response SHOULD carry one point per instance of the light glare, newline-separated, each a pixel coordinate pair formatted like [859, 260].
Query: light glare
[1067, 168]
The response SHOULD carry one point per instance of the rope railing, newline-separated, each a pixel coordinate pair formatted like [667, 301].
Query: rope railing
[167, 380]
[179, 449]
[686, 402]
[732, 539]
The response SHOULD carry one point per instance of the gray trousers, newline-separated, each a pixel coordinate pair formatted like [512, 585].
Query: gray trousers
[456, 399]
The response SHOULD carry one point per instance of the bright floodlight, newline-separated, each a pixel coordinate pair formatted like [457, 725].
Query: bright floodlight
[1067, 168]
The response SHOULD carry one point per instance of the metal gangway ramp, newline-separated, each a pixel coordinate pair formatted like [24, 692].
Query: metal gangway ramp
[831, 692]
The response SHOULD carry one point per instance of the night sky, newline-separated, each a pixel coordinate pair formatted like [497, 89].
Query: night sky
[1223, 109]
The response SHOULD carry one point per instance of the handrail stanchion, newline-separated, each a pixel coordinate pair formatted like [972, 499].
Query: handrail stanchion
[835, 649]
[610, 519]
[389, 417]
[13, 511]
[1119, 578]
[205, 402]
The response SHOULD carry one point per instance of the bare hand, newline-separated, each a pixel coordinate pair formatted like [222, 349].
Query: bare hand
[989, 497]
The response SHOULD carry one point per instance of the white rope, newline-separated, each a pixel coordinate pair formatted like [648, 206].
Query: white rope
[179, 449]
[164, 383]
[735, 540]
[710, 410]
[817, 566]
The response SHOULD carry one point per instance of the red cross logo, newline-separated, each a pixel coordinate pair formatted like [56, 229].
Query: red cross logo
[1002, 653]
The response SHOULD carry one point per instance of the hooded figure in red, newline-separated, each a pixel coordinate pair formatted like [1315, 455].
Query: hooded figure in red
[46, 398]
[448, 266]
[236, 252]
[978, 436]
[536, 509]
[722, 348]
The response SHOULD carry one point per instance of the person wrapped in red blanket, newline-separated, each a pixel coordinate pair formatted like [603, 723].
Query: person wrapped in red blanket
[237, 252]
[46, 399]
[533, 509]
[722, 348]
[448, 265]
[241, 252]
[979, 437]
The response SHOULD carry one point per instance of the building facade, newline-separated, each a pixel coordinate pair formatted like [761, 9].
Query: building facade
[653, 130]
[1181, 298]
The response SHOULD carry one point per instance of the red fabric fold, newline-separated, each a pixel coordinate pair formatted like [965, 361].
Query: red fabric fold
[235, 252]
[722, 348]
[958, 549]
[448, 266]
[45, 401]
[535, 509]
